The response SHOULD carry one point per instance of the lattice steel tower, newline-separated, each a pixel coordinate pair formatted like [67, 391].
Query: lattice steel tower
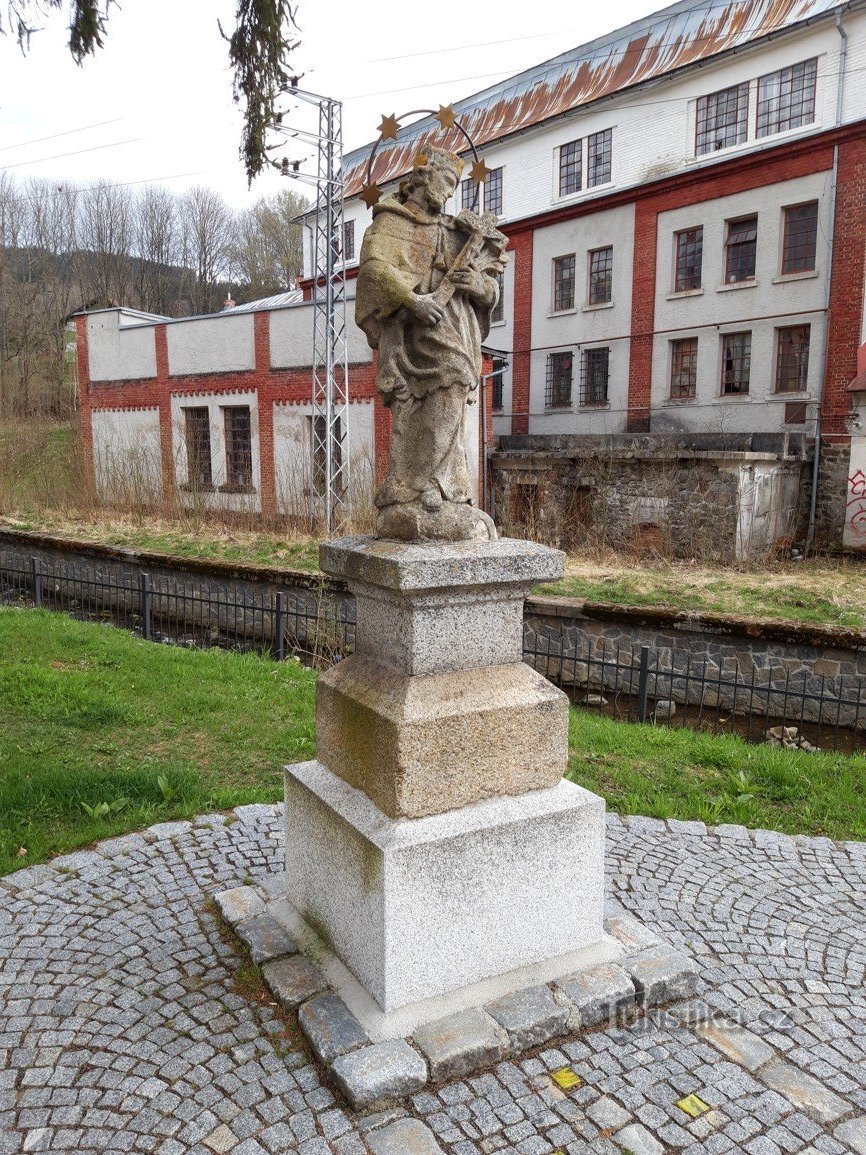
[329, 491]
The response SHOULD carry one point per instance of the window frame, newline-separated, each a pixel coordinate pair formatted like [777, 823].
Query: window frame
[675, 346]
[786, 233]
[348, 241]
[555, 365]
[730, 246]
[194, 458]
[772, 128]
[488, 184]
[578, 144]
[802, 374]
[740, 122]
[699, 248]
[606, 154]
[587, 385]
[556, 263]
[736, 389]
[229, 450]
[596, 277]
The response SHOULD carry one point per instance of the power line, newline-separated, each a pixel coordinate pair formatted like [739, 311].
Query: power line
[77, 152]
[55, 135]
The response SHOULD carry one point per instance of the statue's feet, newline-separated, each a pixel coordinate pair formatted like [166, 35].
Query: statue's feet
[450, 522]
[431, 499]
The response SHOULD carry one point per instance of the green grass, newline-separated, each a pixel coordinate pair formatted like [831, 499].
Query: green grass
[90, 715]
[102, 733]
[667, 772]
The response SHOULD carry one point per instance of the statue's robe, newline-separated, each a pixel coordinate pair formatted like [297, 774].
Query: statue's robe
[425, 373]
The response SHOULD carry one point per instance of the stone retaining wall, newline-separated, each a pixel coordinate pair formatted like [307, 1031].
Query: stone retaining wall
[707, 659]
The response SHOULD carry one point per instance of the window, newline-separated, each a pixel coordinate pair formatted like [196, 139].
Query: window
[722, 119]
[557, 385]
[498, 381]
[800, 238]
[689, 259]
[197, 437]
[741, 249]
[792, 359]
[599, 155]
[736, 363]
[786, 99]
[563, 283]
[601, 276]
[594, 376]
[570, 167]
[497, 313]
[684, 367]
[348, 240]
[239, 448]
[493, 192]
[318, 430]
[470, 195]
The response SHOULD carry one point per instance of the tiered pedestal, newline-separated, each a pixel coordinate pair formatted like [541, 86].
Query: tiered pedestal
[433, 849]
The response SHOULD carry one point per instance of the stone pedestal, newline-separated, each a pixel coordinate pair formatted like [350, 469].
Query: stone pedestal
[436, 709]
[433, 848]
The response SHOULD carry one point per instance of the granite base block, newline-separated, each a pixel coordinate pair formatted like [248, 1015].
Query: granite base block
[419, 908]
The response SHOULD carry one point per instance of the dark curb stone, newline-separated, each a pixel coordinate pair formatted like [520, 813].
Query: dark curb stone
[379, 1073]
[531, 1017]
[461, 1043]
[662, 975]
[265, 938]
[330, 1027]
[294, 980]
[600, 995]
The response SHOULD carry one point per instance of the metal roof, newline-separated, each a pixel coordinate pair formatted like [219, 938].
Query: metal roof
[683, 34]
[292, 297]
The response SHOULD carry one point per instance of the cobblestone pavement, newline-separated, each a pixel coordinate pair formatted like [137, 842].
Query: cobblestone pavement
[121, 1028]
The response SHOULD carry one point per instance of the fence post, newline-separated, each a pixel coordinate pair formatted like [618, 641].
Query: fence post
[145, 606]
[280, 626]
[36, 576]
[643, 679]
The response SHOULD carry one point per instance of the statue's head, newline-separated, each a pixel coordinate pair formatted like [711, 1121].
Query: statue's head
[433, 178]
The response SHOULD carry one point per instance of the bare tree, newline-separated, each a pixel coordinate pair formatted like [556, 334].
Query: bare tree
[106, 225]
[158, 246]
[207, 232]
[267, 254]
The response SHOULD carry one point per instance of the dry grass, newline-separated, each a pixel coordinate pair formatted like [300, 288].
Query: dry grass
[820, 589]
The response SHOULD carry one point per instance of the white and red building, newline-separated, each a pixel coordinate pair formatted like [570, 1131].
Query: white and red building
[686, 206]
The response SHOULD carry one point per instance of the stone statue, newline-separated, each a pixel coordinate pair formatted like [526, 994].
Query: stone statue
[426, 286]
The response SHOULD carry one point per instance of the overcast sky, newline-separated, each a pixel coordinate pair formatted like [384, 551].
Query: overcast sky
[155, 104]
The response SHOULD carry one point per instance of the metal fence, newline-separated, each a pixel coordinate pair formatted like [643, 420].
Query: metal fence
[633, 684]
[161, 608]
[790, 708]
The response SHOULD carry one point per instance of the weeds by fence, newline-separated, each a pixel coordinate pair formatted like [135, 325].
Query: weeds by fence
[634, 684]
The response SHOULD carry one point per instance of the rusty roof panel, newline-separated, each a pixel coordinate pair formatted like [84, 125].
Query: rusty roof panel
[673, 38]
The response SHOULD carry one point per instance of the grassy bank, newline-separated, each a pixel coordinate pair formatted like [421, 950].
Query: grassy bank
[102, 733]
[821, 590]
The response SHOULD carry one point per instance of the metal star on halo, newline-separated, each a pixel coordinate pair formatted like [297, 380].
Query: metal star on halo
[480, 171]
[389, 127]
[371, 194]
[446, 115]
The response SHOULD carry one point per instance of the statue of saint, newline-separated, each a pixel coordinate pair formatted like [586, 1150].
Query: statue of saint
[426, 286]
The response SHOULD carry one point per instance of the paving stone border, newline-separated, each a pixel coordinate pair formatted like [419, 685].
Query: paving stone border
[122, 1028]
[650, 974]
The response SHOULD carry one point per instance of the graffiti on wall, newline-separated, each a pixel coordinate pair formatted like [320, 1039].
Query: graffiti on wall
[855, 511]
